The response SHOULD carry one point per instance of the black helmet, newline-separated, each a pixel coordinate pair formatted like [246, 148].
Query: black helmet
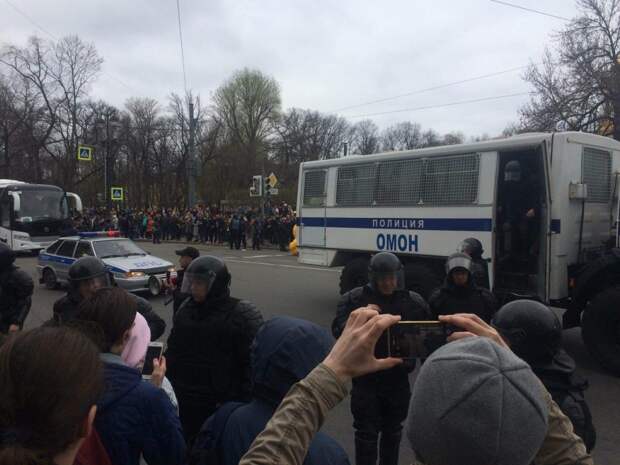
[87, 268]
[472, 247]
[531, 328]
[7, 256]
[210, 270]
[458, 261]
[382, 265]
[512, 171]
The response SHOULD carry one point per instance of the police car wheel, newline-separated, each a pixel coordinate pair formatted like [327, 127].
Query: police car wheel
[600, 328]
[421, 279]
[154, 286]
[354, 274]
[49, 279]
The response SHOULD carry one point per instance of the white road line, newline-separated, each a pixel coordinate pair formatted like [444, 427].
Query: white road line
[295, 267]
[266, 256]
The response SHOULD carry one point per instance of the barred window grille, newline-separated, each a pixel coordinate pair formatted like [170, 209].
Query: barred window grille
[597, 174]
[314, 188]
[399, 182]
[356, 185]
[430, 181]
[451, 180]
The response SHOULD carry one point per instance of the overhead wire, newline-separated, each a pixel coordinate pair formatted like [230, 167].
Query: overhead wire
[182, 49]
[531, 10]
[428, 89]
[442, 105]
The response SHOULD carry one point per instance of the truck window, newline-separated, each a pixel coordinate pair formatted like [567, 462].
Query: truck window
[66, 249]
[596, 165]
[356, 185]
[399, 182]
[451, 180]
[314, 188]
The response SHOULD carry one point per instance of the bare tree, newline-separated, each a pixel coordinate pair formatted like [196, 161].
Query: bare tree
[577, 87]
[402, 136]
[365, 137]
[248, 104]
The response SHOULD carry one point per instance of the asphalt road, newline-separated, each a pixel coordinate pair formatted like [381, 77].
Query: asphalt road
[278, 285]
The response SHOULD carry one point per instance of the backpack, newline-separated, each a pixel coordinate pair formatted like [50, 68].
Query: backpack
[206, 448]
[567, 392]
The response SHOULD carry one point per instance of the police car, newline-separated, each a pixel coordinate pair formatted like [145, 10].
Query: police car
[133, 269]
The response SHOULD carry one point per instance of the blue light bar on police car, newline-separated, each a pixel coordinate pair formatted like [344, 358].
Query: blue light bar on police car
[100, 234]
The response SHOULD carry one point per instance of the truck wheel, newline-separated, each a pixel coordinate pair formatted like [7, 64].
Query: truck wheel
[354, 274]
[600, 328]
[421, 279]
[49, 279]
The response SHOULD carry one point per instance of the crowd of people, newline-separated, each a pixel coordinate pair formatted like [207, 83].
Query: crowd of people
[232, 388]
[203, 224]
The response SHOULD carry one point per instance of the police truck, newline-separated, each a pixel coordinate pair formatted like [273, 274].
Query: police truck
[544, 206]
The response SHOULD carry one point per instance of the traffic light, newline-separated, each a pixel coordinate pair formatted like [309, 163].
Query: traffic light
[266, 185]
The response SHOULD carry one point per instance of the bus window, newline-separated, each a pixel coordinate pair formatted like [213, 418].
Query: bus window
[5, 212]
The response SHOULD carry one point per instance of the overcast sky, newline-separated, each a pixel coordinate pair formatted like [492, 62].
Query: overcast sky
[326, 55]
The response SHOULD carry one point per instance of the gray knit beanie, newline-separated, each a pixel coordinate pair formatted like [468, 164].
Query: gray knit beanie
[476, 403]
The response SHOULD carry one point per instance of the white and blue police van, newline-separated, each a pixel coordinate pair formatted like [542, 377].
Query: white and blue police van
[132, 268]
[549, 233]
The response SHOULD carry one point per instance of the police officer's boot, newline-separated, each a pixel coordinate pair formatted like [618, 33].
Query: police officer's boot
[365, 450]
[389, 448]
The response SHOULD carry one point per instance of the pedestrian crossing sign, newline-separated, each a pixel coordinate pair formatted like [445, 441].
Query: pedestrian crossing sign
[85, 153]
[117, 194]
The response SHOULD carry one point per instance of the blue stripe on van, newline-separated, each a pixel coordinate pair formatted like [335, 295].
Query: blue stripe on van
[431, 224]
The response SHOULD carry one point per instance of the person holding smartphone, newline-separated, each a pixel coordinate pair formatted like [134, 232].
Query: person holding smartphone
[134, 417]
[379, 401]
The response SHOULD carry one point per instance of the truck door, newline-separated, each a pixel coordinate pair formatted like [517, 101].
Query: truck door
[313, 212]
[544, 257]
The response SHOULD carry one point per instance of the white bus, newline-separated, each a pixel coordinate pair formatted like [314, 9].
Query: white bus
[421, 204]
[32, 216]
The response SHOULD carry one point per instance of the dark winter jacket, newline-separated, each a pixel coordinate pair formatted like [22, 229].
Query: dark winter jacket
[66, 309]
[450, 299]
[16, 288]
[134, 417]
[285, 351]
[208, 356]
[408, 304]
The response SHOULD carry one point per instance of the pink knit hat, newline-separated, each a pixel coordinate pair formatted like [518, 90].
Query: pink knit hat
[135, 350]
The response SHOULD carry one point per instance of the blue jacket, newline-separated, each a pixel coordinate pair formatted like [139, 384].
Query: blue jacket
[134, 417]
[284, 351]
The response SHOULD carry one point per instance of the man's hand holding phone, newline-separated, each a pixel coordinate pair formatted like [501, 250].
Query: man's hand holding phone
[159, 371]
[354, 352]
[470, 326]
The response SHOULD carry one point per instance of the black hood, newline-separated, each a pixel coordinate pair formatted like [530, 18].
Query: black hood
[285, 351]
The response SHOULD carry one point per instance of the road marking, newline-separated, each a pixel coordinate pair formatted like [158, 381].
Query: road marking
[294, 267]
[267, 256]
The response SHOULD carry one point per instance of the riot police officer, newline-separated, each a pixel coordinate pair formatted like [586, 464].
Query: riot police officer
[479, 268]
[16, 288]
[459, 293]
[379, 401]
[186, 256]
[534, 333]
[86, 275]
[208, 353]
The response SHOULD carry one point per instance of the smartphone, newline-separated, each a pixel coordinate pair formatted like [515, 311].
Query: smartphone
[412, 339]
[154, 350]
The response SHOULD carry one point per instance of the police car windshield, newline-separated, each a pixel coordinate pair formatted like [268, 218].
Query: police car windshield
[120, 248]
